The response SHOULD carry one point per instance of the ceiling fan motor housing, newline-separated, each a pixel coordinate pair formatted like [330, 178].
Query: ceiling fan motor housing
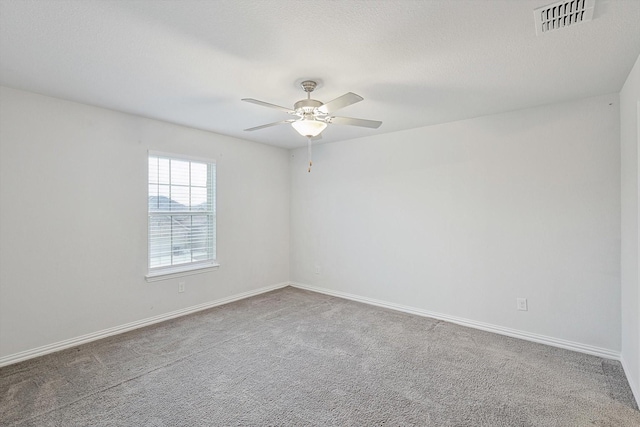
[307, 105]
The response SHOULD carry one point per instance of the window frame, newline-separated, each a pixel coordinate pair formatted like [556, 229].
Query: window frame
[193, 267]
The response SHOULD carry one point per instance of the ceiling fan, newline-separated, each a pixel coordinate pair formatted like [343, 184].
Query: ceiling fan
[313, 116]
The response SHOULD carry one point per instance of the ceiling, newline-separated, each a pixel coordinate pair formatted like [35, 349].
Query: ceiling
[416, 63]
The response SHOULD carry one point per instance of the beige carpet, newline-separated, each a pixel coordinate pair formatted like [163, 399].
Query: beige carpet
[297, 358]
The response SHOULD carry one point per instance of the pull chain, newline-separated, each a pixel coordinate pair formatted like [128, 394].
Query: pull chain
[309, 153]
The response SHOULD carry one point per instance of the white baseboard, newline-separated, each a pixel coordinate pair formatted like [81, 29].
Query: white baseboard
[542, 339]
[83, 339]
[555, 342]
[634, 386]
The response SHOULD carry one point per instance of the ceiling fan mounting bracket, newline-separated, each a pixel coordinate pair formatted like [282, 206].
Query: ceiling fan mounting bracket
[308, 85]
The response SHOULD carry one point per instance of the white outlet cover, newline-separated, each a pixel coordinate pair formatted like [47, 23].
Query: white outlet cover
[521, 304]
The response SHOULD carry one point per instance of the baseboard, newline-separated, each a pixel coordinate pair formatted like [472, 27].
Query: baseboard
[542, 339]
[634, 386]
[83, 339]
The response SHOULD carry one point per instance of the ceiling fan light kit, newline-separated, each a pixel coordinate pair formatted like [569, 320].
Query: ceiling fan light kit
[309, 128]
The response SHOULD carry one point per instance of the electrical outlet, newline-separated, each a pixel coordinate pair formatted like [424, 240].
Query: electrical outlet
[181, 287]
[317, 269]
[521, 304]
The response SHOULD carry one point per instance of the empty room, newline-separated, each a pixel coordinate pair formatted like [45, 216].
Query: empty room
[319, 213]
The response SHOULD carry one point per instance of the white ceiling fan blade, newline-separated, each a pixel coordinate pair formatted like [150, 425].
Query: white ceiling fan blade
[340, 102]
[271, 124]
[266, 104]
[374, 124]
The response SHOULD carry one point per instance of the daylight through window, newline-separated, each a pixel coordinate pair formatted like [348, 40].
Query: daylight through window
[182, 217]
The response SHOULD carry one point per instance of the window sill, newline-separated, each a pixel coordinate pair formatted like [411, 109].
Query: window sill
[177, 272]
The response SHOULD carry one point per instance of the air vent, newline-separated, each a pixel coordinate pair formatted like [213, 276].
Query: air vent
[562, 14]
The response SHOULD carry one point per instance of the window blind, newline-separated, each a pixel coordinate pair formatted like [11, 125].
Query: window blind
[182, 217]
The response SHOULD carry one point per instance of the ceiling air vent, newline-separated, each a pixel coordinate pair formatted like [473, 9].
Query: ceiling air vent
[562, 14]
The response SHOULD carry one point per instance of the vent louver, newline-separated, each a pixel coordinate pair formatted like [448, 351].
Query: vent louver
[562, 14]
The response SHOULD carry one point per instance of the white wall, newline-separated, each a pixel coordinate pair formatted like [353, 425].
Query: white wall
[630, 173]
[464, 217]
[73, 219]
[459, 218]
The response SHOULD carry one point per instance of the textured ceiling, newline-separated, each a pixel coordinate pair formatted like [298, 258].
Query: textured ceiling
[416, 63]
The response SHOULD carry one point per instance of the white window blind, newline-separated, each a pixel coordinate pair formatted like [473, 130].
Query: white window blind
[182, 213]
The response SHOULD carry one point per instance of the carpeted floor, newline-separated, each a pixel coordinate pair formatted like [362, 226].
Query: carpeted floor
[297, 358]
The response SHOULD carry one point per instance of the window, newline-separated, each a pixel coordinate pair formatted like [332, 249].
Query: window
[182, 214]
